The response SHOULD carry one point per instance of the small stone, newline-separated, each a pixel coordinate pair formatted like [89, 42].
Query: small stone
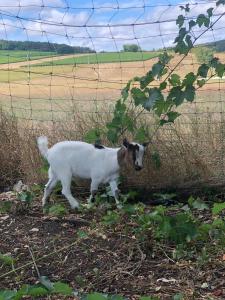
[34, 230]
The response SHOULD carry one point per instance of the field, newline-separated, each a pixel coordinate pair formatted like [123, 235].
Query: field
[7, 56]
[106, 58]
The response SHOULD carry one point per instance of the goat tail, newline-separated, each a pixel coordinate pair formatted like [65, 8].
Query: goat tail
[42, 142]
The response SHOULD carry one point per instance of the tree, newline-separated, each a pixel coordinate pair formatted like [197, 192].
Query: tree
[203, 54]
[131, 48]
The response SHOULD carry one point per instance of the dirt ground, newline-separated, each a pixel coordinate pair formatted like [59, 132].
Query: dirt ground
[78, 250]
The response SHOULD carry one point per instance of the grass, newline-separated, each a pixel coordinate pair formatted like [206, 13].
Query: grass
[12, 56]
[109, 57]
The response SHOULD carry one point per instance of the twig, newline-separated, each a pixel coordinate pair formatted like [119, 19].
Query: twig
[34, 262]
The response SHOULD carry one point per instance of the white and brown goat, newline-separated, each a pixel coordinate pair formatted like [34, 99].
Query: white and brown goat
[87, 161]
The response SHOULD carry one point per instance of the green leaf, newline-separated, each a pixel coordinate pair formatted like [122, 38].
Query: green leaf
[199, 204]
[37, 291]
[161, 106]
[92, 136]
[112, 135]
[154, 95]
[191, 23]
[220, 69]
[189, 79]
[189, 93]
[62, 288]
[209, 12]
[115, 297]
[145, 80]
[163, 85]
[5, 206]
[218, 208]
[201, 82]
[157, 69]
[176, 95]
[203, 70]
[174, 80]
[218, 223]
[149, 298]
[138, 96]
[125, 91]
[171, 117]
[214, 62]
[188, 41]
[141, 134]
[181, 48]
[186, 7]
[82, 234]
[180, 20]
[6, 259]
[23, 291]
[178, 297]
[7, 294]
[203, 20]
[164, 58]
[25, 196]
[96, 296]
[58, 210]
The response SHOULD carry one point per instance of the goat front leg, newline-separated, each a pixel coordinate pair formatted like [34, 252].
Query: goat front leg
[94, 189]
[115, 192]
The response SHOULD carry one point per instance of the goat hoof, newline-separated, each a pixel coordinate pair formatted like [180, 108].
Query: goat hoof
[119, 205]
[75, 205]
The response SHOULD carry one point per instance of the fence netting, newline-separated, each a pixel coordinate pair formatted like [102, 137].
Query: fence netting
[69, 82]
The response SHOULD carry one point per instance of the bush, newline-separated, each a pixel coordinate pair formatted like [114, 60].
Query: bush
[203, 54]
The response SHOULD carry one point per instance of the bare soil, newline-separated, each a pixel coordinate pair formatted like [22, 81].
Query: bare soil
[102, 259]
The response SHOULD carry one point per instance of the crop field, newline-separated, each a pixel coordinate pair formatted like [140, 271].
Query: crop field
[11, 56]
[49, 92]
[112, 57]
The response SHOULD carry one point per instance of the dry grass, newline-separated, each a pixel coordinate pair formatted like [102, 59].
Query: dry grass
[191, 151]
[64, 102]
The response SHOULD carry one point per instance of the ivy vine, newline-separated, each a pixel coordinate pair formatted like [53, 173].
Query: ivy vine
[164, 99]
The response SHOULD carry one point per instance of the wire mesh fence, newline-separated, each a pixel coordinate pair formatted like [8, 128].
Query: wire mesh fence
[62, 67]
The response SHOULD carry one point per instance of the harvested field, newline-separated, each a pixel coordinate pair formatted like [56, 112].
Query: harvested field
[41, 91]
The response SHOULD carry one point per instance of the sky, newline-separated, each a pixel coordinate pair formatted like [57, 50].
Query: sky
[102, 25]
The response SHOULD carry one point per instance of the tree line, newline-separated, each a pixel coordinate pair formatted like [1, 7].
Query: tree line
[43, 46]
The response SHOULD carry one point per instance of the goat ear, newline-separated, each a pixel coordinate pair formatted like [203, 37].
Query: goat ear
[146, 144]
[126, 143]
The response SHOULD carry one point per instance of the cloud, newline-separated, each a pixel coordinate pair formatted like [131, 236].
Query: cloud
[109, 28]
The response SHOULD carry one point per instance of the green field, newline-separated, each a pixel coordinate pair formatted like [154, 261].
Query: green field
[109, 57]
[11, 56]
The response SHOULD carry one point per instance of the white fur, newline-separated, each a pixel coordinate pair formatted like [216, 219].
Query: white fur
[83, 160]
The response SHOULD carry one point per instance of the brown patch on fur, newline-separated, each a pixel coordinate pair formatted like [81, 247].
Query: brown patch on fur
[122, 156]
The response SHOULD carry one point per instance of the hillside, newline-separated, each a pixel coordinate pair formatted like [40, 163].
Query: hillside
[218, 46]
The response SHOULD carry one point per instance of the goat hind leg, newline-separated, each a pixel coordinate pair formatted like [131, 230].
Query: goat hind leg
[66, 191]
[49, 187]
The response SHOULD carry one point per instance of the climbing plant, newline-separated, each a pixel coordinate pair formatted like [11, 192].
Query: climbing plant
[172, 91]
